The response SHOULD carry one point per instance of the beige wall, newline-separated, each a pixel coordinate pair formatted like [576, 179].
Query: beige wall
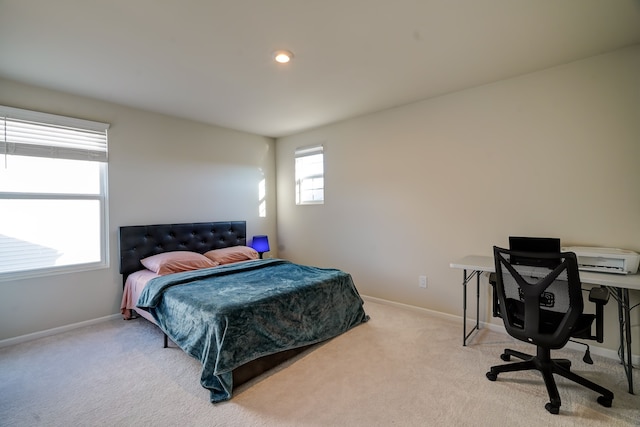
[408, 190]
[161, 170]
[411, 189]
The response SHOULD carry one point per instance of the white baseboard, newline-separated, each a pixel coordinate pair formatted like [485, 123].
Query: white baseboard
[411, 307]
[600, 351]
[54, 331]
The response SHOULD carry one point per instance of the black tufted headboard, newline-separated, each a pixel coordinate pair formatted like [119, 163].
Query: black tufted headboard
[140, 241]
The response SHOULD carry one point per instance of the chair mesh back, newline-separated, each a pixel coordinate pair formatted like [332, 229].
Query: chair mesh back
[539, 305]
[555, 298]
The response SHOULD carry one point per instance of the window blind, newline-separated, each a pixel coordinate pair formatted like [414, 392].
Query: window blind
[309, 151]
[31, 133]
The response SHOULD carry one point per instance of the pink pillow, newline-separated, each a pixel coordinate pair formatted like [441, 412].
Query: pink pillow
[232, 254]
[177, 261]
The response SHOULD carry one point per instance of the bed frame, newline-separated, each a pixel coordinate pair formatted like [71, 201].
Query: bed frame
[141, 241]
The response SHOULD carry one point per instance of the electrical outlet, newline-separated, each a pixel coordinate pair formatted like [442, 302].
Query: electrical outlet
[422, 281]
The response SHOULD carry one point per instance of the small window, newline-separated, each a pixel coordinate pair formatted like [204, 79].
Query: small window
[53, 204]
[310, 175]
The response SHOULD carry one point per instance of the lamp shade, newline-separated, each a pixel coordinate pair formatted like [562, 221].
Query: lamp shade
[260, 244]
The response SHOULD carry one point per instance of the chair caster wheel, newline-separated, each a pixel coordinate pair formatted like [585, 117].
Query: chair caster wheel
[492, 376]
[604, 401]
[505, 357]
[553, 409]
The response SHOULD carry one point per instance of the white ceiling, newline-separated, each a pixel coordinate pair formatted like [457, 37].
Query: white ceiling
[210, 60]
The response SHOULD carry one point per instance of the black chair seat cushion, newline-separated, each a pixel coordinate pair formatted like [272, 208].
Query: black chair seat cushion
[549, 320]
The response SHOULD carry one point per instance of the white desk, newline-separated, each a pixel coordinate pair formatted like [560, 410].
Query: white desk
[618, 285]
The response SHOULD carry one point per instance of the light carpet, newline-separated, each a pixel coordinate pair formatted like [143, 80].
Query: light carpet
[402, 368]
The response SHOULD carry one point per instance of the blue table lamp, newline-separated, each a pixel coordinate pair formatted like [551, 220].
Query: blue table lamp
[260, 244]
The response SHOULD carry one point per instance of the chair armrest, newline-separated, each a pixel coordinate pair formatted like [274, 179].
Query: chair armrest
[599, 295]
[495, 305]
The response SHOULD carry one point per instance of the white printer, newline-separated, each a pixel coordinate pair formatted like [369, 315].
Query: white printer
[605, 260]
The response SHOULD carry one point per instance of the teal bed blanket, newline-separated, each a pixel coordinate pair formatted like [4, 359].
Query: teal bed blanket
[230, 315]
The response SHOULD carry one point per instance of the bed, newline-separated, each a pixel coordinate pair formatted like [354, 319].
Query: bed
[240, 318]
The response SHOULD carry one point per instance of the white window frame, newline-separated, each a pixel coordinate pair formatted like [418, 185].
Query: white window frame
[301, 176]
[36, 134]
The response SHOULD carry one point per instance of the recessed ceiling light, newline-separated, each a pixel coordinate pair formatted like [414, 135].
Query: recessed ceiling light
[282, 56]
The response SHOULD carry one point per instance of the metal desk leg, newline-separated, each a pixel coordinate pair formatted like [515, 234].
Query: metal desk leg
[464, 307]
[467, 279]
[478, 300]
[624, 318]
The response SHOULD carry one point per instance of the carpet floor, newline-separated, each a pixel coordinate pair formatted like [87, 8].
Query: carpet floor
[402, 368]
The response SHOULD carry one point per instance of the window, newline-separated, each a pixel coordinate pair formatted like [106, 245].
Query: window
[310, 175]
[53, 181]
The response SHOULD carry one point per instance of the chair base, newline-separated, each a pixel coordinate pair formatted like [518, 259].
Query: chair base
[548, 366]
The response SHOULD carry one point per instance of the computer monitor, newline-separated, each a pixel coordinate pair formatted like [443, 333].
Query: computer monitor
[534, 244]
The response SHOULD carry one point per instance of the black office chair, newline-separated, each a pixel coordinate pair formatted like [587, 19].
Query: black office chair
[542, 305]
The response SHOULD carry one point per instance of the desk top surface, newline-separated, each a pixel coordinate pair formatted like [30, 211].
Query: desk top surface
[475, 262]
[485, 263]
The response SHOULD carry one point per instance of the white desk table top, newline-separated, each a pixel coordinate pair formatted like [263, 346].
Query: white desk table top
[485, 263]
[475, 262]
